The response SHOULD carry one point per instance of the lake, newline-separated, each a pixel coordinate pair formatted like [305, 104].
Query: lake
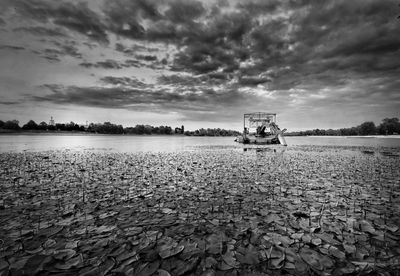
[154, 143]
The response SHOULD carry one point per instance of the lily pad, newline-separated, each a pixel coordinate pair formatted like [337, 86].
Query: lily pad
[312, 258]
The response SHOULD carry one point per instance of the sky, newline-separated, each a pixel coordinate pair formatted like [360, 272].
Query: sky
[201, 64]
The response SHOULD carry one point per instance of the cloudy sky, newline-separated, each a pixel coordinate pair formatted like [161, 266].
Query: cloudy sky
[318, 64]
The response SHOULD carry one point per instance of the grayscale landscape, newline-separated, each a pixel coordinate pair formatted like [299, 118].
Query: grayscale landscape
[199, 137]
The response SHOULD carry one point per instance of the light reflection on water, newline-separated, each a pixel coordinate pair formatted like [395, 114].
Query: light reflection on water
[154, 143]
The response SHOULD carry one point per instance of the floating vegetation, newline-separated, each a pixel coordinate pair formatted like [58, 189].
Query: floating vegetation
[309, 210]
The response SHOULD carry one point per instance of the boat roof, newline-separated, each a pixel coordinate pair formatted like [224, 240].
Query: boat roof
[260, 113]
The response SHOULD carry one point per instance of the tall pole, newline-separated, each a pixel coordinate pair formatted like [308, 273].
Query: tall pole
[244, 126]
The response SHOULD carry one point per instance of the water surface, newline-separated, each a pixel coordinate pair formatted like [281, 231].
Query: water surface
[158, 143]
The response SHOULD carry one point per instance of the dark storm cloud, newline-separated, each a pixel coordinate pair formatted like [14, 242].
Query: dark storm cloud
[9, 102]
[2, 22]
[191, 82]
[146, 57]
[11, 47]
[139, 98]
[258, 7]
[253, 80]
[124, 16]
[134, 49]
[132, 63]
[107, 64]
[67, 48]
[123, 81]
[76, 17]
[42, 31]
[180, 80]
[114, 64]
[184, 11]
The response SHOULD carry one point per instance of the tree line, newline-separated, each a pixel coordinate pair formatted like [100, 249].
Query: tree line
[110, 128]
[389, 126]
[212, 132]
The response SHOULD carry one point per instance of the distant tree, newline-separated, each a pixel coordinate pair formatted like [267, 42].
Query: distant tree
[60, 126]
[389, 126]
[30, 125]
[51, 127]
[71, 126]
[367, 128]
[105, 128]
[1, 124]
[13, 124]
[42, 126]
[148, 129]
[212, 132]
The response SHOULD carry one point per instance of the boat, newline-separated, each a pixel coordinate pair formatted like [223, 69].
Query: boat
[261, 128]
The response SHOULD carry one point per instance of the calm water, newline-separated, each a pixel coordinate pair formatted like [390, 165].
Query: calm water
[121, 143]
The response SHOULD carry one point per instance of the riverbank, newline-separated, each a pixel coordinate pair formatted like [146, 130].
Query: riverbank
[76, 133]
[310, 209]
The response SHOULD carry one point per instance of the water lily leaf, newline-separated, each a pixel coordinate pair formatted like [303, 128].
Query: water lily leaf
[3, 264]
[210, 262]
[171, 251]
[249, 257]
[50, 231]
[365, 226]
[328, 238]
[73, 262]
[133, 231]
[214, 244]
[189, 251]
[168, 211]
[64, 254]
[108, 214]
[392, 228]
[33, 246]
[148, 269]
[103, 229]
[229, 259]
[337, 253]
[71, 245]
[306, 238]
[297, 236]
[363, 265]
[126, 255]
[162, 272]
[311, 257]
[274, 218]
[169, 247]
[184, 268]
[224, 266]
[326, 262]
[348, 269]
[316, 241]
[36, 262]
[275, 252]
[349, 248]
[106, 266]
[19, 263]
[277, 263]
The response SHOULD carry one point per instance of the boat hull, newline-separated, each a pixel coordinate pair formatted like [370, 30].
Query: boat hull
[269, 140]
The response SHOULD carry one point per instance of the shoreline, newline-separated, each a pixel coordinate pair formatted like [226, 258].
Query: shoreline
[68, 133]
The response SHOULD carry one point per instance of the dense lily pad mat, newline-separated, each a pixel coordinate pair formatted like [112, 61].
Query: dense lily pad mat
[216, 211]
